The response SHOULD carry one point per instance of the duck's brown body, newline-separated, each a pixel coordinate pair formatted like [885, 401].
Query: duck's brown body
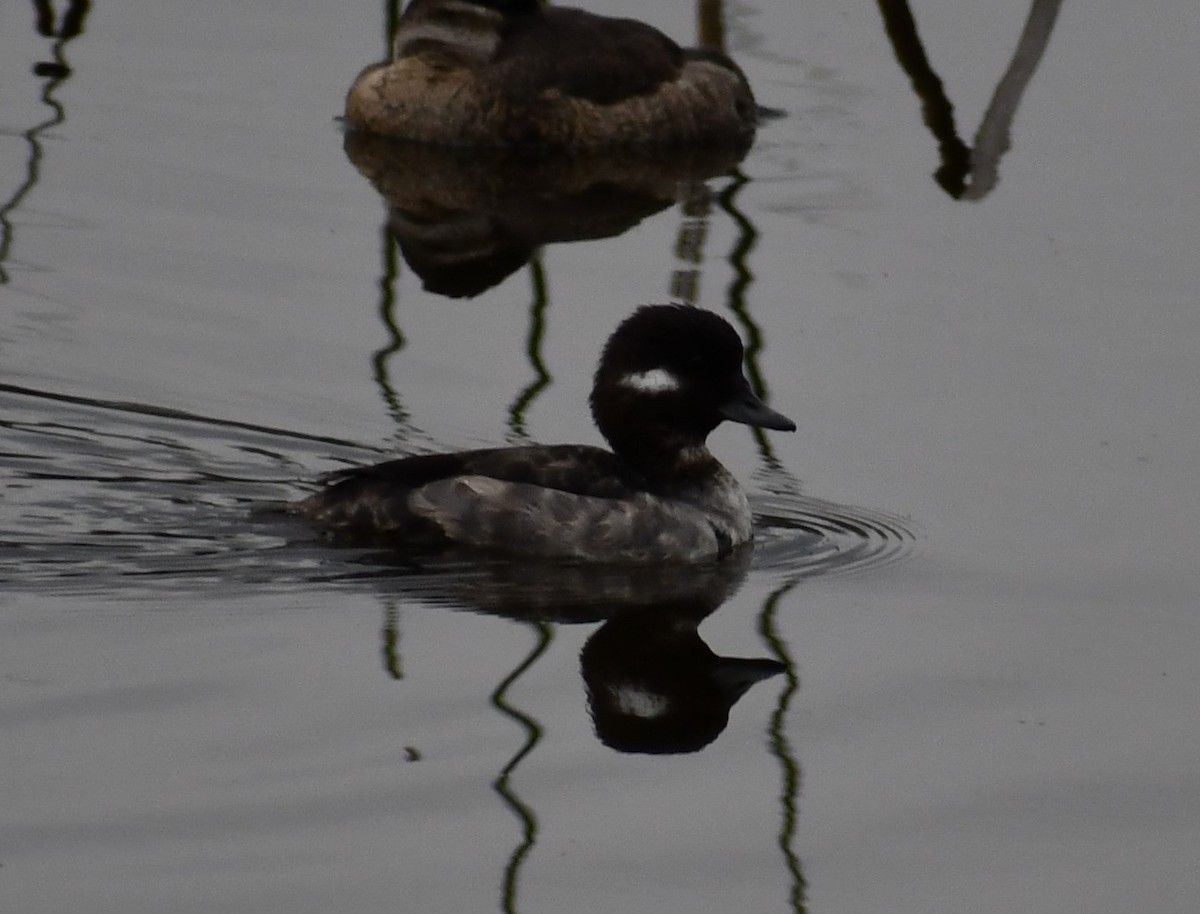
[493, 73]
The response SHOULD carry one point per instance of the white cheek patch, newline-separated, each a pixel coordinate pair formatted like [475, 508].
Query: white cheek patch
[638, 702]
[654, 381]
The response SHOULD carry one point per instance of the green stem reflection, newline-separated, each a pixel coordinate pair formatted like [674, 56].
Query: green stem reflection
[56, 72]
[390, 642]
[696, 208]
[538, 305]
[502, 785]
[782, 749]
[747, 238]
[391, 22]
[390, 270]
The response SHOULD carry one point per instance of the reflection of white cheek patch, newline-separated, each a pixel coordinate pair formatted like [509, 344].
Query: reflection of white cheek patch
[654, 381]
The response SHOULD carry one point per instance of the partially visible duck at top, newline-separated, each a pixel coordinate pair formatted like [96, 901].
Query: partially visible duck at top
[668, 376]
[507, 73]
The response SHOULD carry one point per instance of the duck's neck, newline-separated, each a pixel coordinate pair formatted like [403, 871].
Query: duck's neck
[666, 459]
[468, 31]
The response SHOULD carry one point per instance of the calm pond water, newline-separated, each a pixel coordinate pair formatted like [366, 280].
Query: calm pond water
[958, 674]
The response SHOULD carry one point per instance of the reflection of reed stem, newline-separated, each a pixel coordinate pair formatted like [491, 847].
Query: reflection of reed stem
[391, 24]
[710, 24]
[936, 109]
[959, 161]
[533, 731]
[44, 22]
[72, 23]
[533, 352]
[390, 648]
[994, 136]
[782, 749]
[747, 238]
[390, 269]
[56, 74]
[696, 209]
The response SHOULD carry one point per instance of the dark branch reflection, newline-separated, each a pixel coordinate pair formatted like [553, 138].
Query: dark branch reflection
[968, 173]
[781, 482]
[391, 22]
[781, 747]
[389, 651]
[993, 138]
[736, 301]
[695, 212]
[503, 784]
[542, 379]
[936, 108]
[55, 72]
[380, 359]
[710, 24]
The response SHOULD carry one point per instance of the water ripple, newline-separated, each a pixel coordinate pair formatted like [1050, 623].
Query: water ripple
[103, 497]
[798, 536]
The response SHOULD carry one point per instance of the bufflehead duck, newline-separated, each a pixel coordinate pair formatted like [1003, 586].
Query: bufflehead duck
[668, 376]
[522, 73]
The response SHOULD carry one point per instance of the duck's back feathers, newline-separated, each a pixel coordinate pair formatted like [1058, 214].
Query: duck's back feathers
[566, 501]
[576, 468]
[376, 502]
[609, 60]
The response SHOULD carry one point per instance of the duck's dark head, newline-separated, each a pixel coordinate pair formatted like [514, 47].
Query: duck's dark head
[668, 376]
[507, 7]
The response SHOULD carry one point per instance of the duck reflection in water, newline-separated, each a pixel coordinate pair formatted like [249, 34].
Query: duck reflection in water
[653, 685]
[466, 220]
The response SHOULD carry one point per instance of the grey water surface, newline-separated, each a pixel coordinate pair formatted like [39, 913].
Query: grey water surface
[959, 672]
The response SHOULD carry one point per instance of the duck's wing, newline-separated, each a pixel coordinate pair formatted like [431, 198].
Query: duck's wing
[519, 518]
[595, 58]
[577, 468]
[376, 501]
[569, 501]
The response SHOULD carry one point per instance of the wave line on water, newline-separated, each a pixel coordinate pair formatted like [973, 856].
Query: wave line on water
[166, 412]
[799, 536]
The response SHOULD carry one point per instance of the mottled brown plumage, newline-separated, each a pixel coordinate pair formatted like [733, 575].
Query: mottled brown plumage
[488, 73]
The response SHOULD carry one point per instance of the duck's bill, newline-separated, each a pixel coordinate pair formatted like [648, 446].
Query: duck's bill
[748, 409]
